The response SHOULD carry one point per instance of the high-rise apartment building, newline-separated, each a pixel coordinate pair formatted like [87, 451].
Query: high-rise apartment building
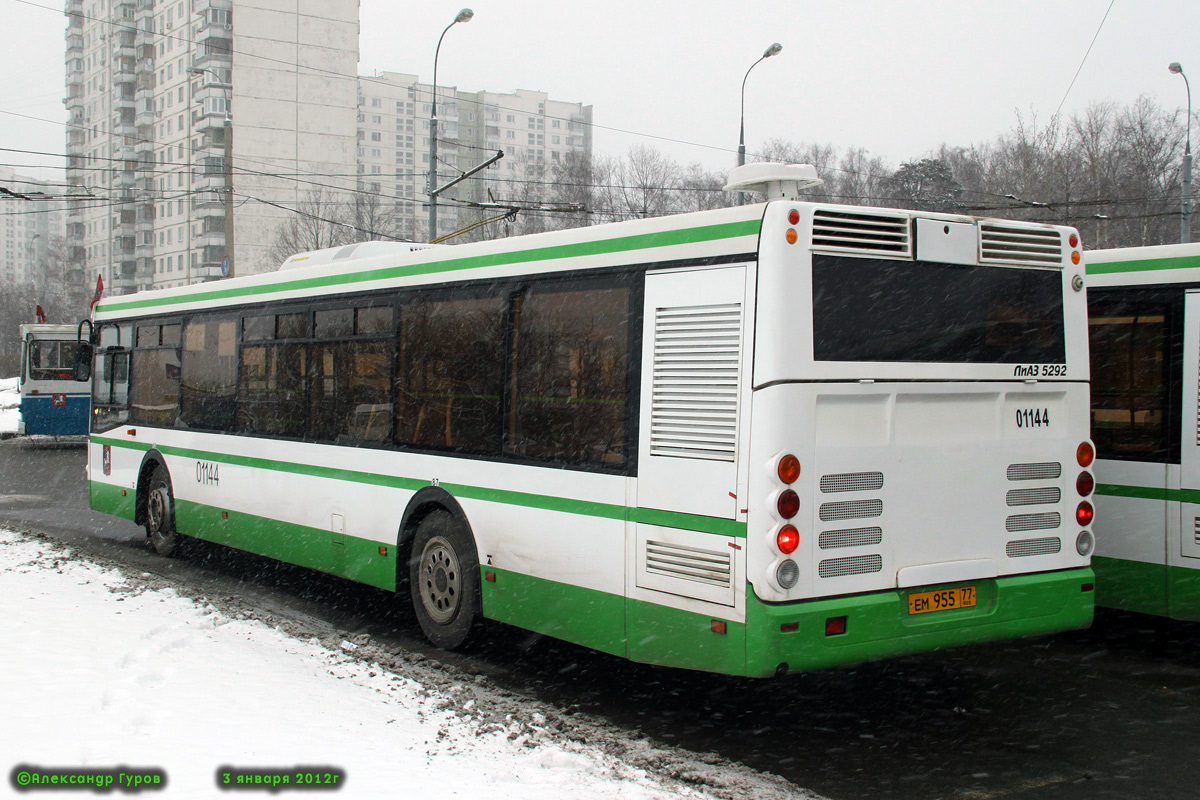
[160, 91]
[30, 230]
[198, 128]
[535, 133]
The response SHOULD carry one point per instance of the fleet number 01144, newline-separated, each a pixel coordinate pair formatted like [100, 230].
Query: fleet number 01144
[1033, 418]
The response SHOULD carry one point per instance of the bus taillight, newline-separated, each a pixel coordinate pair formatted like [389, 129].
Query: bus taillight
[788, 539]
[788, 504]
[1084, 454]
[1084, 513]
[1084, 484]
[788, 469]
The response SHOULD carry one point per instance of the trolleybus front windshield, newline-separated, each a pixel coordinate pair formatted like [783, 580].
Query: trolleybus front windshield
[880, 310]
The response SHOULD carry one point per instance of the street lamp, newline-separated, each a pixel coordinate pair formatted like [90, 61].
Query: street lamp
[463, 16]
[773, 50]
[228, 126]
[1185, 203]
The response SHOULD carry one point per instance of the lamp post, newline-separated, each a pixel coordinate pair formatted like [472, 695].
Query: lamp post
[228, 159]
[463, 16]
[773, 50]
[1185, 203]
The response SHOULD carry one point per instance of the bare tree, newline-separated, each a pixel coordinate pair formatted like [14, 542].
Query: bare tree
[317, 223]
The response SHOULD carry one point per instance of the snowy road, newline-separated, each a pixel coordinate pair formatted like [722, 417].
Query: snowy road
[1108, 713]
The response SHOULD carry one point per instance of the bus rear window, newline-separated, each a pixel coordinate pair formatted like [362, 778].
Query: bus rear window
[880, 310]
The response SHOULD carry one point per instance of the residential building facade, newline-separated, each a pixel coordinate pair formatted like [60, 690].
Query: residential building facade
[156, 89]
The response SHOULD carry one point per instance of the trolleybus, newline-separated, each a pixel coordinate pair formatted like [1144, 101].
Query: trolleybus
[51, 403]
[752, 440]
[1144, 317]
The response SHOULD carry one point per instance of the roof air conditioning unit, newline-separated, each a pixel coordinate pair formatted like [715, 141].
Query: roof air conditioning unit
[776, 181]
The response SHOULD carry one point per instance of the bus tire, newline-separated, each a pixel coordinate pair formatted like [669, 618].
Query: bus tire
[444, 581]
[160, 513]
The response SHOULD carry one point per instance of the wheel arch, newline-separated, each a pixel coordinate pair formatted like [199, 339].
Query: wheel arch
[425, 502]
[153, 458]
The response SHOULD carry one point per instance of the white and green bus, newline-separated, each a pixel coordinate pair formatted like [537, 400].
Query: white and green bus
[1144, 317]
[758, 439]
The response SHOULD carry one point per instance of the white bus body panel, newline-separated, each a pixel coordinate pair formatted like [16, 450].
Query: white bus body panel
[902, 484]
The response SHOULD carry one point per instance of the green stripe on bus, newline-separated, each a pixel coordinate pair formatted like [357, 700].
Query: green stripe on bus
[642, 241]
[647, 516]
[1146, 265]
[1148, 493]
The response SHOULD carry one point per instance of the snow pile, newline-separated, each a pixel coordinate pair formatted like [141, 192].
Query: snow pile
[100, 670]
[9, 400]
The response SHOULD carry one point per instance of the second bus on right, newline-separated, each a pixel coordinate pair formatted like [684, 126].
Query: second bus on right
[1144, 321]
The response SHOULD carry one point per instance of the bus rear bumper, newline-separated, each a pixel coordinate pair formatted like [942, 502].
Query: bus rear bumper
[787, 637]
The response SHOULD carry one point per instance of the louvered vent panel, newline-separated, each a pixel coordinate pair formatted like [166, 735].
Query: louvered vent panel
[850, 537]
[851, 565]
[1034, 472]
[1198, 415]
[850, 509]
[852, 482]
[1034, 497]
[1000, 243]
[1032, 522]
[694, 402]
[862, 232]
[711, 567]
[1033, 547]
[1196, 531]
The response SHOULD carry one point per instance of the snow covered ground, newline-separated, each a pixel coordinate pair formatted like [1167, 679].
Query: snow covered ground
[102, 669]
[9, 400]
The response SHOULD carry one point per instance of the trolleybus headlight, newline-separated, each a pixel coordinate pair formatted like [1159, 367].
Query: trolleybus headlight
[788, 539]
[1084, 514]
[1084, 543]
[1084, 454]
[1084, 484]
[788, 468]
[787, 574]
[788, 504]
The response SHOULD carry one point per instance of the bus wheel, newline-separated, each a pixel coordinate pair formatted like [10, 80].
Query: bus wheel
[444, 581]
[160, 513]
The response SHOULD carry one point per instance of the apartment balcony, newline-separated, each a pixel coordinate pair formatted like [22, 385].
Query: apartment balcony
[145, 117]
[74, 43]
[73, 7]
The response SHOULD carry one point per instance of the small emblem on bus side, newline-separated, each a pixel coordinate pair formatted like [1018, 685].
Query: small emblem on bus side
[106, 459]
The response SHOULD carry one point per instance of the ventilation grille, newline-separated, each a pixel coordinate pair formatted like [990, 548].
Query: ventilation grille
[1010, 243]
[1033, 522]
[851, 565]
[1033, 547]
[1034, 472]
[850, 537]
[1034, 497]
[851, 509]
[694, 402]
[862, 232]
[711, 567]
[852, 482]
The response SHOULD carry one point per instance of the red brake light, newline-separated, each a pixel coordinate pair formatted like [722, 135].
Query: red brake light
[794, 218]
[788, 469]
[1084, 484]
[1074, 240]
[1084, 514]
[788, 504]
[1084, 454]
[835, 626]
[788, 539]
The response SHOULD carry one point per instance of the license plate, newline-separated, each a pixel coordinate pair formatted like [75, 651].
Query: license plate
[941, 600]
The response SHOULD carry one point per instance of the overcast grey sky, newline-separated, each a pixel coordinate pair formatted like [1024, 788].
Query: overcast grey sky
[896, 78]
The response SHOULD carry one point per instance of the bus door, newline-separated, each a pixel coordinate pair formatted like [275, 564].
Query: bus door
[694, 403]
[1189, 453]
